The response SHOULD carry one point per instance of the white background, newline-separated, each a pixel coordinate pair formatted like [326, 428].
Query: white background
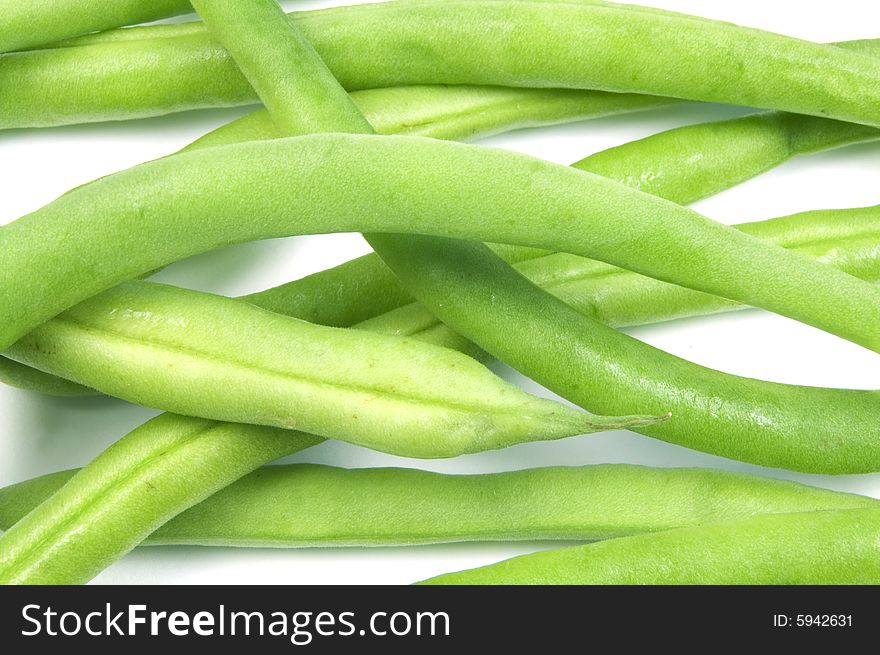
[39, 435]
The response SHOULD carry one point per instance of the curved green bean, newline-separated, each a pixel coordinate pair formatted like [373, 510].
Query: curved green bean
[39, 22]
[440, 112]
[477, 42]
[305, 505]
[169, 209]
[824, 547]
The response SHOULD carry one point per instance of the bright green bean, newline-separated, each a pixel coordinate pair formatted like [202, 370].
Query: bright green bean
[29, 23]
[800, 428]
[271, 52]
[169, 209]
[166, 347]
[476, 42]
[306, 505]
[441, 112]
[824, 547]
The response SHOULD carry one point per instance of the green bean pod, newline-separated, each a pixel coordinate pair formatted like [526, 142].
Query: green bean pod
[169, 209]
[143, 73]
[211, 357]
[818, 548]
[800, 428]
[304, 505]
[39, 22]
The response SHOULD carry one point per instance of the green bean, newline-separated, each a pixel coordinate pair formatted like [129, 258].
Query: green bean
[306, 505]
[823, 547]
[799, 428]
[39, 22]
[476, 42]
[273, 68]
[169, 209]
[690, 163]
[441, 112]
[109, 512]
[165, 347]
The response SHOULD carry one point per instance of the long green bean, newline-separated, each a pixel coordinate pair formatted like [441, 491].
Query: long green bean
[166, 347]
[169, 209]
[39, 22]
[305, 505]
[477, 42]
[824, 547]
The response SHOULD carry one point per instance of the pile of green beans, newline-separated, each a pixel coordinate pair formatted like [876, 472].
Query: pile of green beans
[283, 372]
[572, 254]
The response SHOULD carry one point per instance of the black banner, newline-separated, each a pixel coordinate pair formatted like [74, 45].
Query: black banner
[400, 619]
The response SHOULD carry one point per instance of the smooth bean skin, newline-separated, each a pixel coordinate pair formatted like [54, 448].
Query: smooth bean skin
[478, 42]
[683, 165]
[366, 287]
[29, 23]
[305, 505]
[690, 163]
[169, 209]
[820, 548]
[212, 357]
